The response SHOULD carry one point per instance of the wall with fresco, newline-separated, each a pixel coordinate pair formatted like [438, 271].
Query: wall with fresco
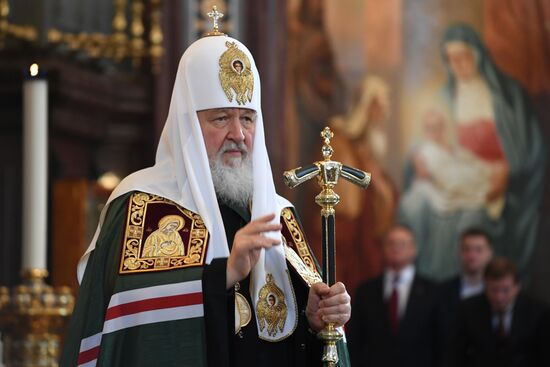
[446, 104]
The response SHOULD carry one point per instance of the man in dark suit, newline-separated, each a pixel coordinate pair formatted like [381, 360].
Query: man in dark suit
[475, 252]
[501, 327]
[393, 322]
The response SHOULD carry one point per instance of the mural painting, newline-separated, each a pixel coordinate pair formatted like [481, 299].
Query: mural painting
[448, 123]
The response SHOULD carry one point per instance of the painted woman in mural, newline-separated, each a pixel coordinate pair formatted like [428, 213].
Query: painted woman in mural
[447, 172]
[491, 123]
[363, 216]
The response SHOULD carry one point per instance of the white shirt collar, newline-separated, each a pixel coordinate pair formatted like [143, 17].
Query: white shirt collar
[406, 275]
[469, 289]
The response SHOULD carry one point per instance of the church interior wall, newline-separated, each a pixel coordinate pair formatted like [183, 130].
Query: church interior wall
[313, 55]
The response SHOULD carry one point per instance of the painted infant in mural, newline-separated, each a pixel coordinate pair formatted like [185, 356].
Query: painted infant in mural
[486, 170]
[447, 172]
[363, 216]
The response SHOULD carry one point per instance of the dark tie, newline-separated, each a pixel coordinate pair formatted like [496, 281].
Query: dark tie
[500, 329]
[393, 305]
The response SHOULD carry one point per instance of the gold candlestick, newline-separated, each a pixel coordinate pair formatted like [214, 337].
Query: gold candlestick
[155, 35]
[33, 321]
[137, 45]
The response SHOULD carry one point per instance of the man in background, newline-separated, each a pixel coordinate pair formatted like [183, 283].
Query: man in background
[502, 326]
[475, 252]
[393, 323]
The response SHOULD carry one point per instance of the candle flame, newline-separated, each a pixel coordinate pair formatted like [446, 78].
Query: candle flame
[34, 69]
[109, 180]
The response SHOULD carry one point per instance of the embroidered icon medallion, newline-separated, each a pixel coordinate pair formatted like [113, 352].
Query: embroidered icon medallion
[236, 74]
[165, 241]
[271, 309]
[161, 235]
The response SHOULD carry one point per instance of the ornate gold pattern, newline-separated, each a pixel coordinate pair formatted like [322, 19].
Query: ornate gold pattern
[156, 50]
[328, 172]
[165, 241]
[309, 276]
[236, 74]
[116, 45]
[271, 310]
[137, 44]
[33, 320]
[299, 239]
[139, 254]
[243, 312]
[215, 16]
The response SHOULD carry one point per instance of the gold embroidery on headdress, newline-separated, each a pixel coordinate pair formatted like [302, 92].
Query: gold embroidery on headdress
[271, 310]
[236, 74]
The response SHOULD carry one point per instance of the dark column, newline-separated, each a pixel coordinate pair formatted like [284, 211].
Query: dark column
[265, 34]
[173, 35]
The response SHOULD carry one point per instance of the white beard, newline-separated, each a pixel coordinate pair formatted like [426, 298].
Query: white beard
[233, 182]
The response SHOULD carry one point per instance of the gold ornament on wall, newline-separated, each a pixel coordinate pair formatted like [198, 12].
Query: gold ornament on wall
[125, 42]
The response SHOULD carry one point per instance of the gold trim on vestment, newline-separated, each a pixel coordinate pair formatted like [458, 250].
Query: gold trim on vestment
[299, 239]
[145, 249]
[309, 276]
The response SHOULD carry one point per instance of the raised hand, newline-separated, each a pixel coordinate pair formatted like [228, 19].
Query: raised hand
[247, 245]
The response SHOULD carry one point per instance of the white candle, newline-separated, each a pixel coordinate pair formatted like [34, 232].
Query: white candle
[35, 170]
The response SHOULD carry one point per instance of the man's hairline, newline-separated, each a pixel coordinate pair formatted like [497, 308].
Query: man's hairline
[400, 227]
[486, 241]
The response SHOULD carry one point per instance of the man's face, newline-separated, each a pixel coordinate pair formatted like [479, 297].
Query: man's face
[399, 248]
[461, 60]
[501, 292]
[228, 132]
[475, 252]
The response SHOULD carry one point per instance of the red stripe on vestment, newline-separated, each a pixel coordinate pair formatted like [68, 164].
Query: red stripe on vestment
[88, 355]
[153, 304]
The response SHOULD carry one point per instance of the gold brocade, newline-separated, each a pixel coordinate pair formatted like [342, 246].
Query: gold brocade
[309, 276]
[165, 241]
[271, 310]
[299, 240]
[179, 240]
[236, 74]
